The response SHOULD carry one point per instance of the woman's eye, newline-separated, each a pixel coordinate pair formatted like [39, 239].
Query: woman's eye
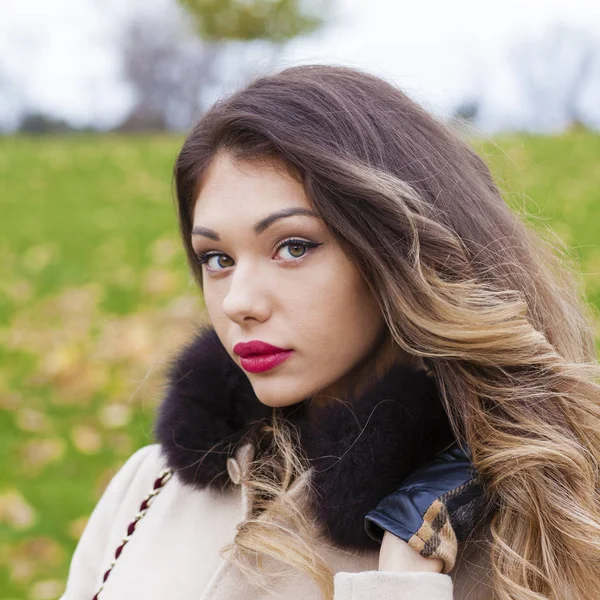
[215, 262]
[295, 248]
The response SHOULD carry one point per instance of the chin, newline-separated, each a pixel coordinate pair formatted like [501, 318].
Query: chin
[277, 400]
[276, 393]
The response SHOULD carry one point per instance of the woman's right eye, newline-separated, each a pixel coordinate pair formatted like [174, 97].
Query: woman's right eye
[217, 263]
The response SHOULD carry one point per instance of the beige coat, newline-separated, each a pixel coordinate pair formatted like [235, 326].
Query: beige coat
[174, 551]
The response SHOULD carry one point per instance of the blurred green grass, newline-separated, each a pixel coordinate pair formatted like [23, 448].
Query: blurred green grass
[95, 295]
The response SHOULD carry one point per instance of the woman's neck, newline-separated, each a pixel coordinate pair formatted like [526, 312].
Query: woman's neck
[385, 354]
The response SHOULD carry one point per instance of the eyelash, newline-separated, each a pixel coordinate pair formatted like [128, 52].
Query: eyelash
[205, 256]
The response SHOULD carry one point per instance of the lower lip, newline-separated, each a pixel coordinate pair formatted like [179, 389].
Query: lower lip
[259, 363]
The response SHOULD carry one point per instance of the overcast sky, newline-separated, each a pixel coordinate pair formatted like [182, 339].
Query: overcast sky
[61, 53]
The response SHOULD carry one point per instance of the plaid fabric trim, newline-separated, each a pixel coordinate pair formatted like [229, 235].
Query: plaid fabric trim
[437, 537]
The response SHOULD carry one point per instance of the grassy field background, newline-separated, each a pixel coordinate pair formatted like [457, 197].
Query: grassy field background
[95, 296]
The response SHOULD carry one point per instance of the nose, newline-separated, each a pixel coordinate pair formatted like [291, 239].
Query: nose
[247, 297]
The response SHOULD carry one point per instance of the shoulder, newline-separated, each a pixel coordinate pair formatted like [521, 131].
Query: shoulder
[144, 460]
[139, 471]
[119, 501]
[135, 478]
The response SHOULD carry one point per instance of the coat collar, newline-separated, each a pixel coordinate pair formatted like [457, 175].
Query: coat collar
[360, 450]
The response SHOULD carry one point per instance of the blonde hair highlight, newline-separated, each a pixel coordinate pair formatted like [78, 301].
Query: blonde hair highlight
[518, 376]
[493, 306]
[288, 535]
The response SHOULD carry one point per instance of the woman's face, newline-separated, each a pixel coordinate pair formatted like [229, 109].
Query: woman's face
[283, 280]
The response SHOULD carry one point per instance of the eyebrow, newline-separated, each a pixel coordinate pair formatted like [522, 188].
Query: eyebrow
[261, 225]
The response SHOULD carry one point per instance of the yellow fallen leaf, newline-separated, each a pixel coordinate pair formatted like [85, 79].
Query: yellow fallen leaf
[120, 442]
[44, 550]
[81, 300]
[10, 400]
[124, 276]
[48, 589]
[77, 526]
[36, 258]
[31, 420]
[160, 281]
[19, 291]
[86, 439]
[37, 454]
[60, 361]
[164, 250]
[77, 387]
[26, 558]
[113, 416]
[21, 568]
[15, 511]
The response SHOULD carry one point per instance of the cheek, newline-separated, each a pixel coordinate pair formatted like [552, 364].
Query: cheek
[214, 307]
[210, 304]
[342, 318]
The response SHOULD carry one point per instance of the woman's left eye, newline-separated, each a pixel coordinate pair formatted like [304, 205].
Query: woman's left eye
[296, 248]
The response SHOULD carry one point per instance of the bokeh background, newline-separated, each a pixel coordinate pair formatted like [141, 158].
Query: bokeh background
[95, 99]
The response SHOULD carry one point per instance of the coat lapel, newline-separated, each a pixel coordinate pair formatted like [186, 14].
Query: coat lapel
[230, 582]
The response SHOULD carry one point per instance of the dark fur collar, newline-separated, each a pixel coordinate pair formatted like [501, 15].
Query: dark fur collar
[382, 435]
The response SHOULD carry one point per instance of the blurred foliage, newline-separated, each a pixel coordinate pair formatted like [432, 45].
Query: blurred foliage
[96, 296]
[553, 182]
[273, 20]
[39, 123]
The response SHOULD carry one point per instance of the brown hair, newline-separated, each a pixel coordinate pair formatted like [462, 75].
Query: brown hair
[463, 283]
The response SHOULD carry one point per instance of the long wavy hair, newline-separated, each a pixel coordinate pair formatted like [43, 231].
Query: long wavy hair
[493, 306]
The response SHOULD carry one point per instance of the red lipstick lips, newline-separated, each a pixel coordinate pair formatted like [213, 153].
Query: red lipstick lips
[258, 357]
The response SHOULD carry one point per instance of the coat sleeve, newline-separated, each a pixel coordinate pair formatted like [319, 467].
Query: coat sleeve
[386, 585]
[90, 557]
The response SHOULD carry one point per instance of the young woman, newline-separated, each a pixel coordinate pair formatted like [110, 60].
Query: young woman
[397, 395]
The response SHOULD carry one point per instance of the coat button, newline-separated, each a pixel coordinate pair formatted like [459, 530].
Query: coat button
[234, 471]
